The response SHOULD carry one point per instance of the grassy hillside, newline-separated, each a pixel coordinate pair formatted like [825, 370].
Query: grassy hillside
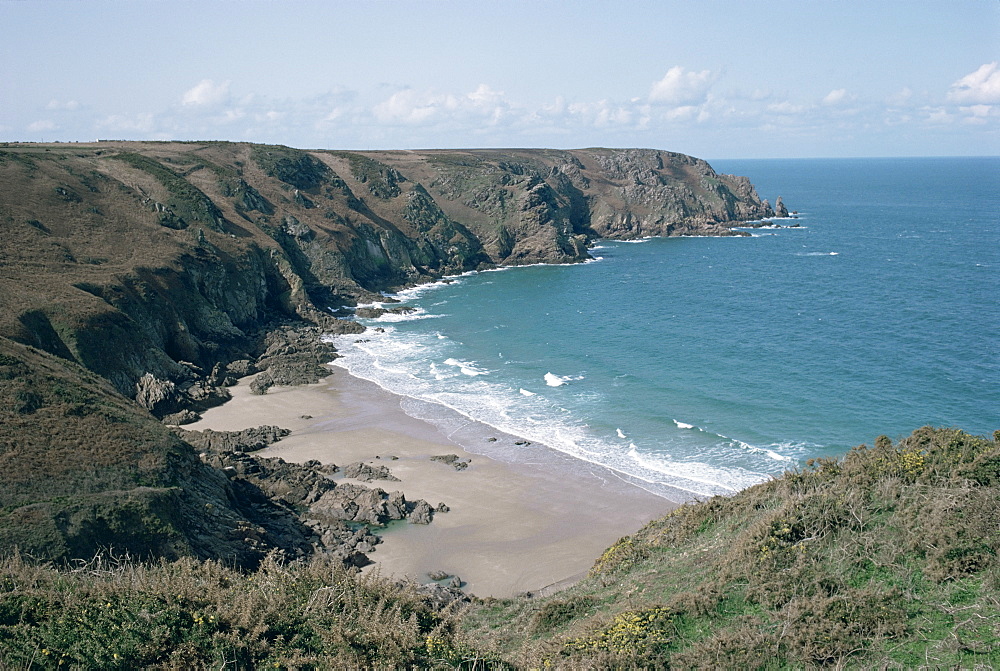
[83, 468]
[137, 279]
[885, 559]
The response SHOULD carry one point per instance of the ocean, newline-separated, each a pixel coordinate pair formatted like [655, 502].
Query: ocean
[699, 366]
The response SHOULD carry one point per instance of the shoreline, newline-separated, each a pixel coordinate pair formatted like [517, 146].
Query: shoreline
[538, 523]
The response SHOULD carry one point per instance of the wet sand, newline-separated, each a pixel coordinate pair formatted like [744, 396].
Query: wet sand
[512, 527]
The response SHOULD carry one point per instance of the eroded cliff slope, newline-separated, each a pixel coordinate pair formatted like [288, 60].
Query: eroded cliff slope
[166, 268]
[182, 252]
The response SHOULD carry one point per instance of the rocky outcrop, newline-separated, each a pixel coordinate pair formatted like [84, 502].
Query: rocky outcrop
[247, 440]
[322, 504]
[375, 312]
[295, 355]
[452, 460]
[366, 472]
[292, 484]
[779, 208]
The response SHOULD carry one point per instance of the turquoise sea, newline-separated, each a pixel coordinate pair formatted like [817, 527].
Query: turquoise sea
[697, 366]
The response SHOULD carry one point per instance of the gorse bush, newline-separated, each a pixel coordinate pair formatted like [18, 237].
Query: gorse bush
[191, 614]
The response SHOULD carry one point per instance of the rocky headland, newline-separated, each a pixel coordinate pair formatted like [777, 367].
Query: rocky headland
[139, 281]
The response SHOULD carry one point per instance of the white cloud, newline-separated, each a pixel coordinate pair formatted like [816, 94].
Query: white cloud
[601, 114]
[680, 88]
[490, 104]
[682, 113]
[41, 125]
[556, 107]
[981, 86]
[938, 115]
[69, 105]
[901, 97]
[786, 107]
[412, 107]
[836, 97]
[206, 92]
[976, 114]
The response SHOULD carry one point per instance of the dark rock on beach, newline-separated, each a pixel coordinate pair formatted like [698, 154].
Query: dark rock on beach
[452, 460]
[323, 505]
[294, 356]
[293, 484]
[247, 440]
[367, 473]
[420, 513]
[181, 418]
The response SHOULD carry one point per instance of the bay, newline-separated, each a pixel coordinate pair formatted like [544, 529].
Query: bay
[702, 365]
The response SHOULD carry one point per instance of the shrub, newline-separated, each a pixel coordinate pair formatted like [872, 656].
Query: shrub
[558, 612]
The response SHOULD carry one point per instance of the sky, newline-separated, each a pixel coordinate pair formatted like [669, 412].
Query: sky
[712, 78]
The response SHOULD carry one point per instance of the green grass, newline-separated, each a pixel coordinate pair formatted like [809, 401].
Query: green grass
[885, 558]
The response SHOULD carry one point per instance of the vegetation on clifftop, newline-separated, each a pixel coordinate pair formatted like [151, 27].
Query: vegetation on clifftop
[110, 614]
[886, 558]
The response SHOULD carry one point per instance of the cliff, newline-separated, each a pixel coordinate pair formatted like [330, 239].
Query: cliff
[182, 253]
[166, 269]
[137, 279]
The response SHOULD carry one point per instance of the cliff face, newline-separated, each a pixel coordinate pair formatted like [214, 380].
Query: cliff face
[181, 252]
[161, 267]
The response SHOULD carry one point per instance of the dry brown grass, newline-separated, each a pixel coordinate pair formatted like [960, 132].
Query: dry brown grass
[114, 613]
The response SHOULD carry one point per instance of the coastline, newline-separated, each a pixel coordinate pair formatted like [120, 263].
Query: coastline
[511, 527]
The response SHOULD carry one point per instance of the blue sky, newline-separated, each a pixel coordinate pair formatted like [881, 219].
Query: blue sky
[715, 79]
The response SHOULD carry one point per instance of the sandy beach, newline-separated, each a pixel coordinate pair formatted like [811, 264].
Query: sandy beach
[511, 527]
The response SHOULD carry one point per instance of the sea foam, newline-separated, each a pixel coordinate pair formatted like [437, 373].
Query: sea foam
[452, 401]
[559, 380]
[466, 367]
